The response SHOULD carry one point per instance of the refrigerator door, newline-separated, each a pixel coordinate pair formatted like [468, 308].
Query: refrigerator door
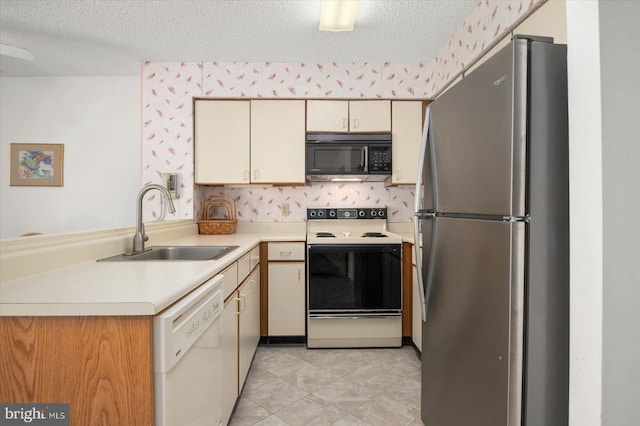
[479, 139]
[472, 340]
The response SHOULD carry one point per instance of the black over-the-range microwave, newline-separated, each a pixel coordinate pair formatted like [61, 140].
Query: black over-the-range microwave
[348, 156]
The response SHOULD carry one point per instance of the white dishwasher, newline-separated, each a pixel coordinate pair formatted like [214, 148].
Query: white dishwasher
[187, 340]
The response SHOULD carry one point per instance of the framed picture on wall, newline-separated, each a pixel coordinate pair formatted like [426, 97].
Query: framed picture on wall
[37, 164]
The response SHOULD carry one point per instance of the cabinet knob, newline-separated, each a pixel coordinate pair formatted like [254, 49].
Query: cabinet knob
[246, 175]
[256, 174]
[344, 123]
[356, 123]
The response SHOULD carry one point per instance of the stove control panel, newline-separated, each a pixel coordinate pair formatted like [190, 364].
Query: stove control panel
[347, 213]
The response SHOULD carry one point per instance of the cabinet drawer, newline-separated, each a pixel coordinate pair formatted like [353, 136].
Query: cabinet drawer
[247, 262]
[286, 251]
[230, 279]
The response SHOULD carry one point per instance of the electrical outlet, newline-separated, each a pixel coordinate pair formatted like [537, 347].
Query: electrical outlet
[170, 181]
[284, 209]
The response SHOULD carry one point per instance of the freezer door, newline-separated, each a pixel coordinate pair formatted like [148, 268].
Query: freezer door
[479, 138]
[472, 338]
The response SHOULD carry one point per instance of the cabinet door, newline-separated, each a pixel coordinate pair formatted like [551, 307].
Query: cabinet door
[230, 389]
[249, 330]
[286, 299]
[369, 116]
[221, 141]
[277, 141]
[406, 124]
[328, 116]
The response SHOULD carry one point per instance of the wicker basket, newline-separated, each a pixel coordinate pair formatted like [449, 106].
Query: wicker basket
[208, 226]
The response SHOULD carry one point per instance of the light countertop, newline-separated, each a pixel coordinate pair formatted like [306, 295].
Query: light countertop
[124, 288]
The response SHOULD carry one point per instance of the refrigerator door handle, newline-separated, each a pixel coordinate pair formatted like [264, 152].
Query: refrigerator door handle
[416, 248]
[417, 210]
[430, 267]
[423, 151]
[425, 288]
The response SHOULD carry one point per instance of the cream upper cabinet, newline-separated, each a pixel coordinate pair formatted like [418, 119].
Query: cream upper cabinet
[370, 116]
[406, 122]
[349, 116]
[222, 140]
[328, 116]
[277, 141]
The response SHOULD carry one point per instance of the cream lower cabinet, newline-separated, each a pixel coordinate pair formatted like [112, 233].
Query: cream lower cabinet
[344, 116]
[229, 357]
[406, 123]
[286, 299]
[240, 326]
[230, 341]
[249, 323]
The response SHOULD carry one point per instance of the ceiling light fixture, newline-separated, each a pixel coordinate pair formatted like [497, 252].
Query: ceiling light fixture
[338, 15]
[15, 52]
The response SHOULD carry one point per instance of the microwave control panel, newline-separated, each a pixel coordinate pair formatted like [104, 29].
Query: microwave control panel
[379, 159]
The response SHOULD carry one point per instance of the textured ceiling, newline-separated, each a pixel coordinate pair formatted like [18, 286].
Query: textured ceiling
[111, 37]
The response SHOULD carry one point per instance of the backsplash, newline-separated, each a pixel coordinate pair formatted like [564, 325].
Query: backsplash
[264, 204]
[168, 89]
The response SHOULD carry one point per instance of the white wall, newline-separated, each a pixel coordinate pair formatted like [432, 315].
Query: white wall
[604, 64]
[585, 200]
[98, 121]
[620, 85]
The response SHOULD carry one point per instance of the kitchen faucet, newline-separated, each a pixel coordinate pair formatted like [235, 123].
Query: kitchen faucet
[140, 237]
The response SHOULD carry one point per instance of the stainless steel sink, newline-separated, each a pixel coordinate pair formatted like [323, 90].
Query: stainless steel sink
[173, 253]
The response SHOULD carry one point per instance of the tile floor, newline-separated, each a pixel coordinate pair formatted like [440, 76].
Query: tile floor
[293, 385]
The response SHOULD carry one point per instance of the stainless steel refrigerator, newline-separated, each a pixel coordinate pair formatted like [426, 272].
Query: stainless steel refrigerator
[494, 219]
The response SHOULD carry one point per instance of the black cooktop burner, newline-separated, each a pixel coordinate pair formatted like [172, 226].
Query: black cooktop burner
[325, 235]
[374, 234]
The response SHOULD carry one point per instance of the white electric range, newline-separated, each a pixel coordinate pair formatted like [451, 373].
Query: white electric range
[354, 279]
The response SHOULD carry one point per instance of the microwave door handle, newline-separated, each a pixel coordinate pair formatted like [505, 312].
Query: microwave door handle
[366, 158]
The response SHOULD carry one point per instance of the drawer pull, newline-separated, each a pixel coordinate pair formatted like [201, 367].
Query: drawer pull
[286, 253]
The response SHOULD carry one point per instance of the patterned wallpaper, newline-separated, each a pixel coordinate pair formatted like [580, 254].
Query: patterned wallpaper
[168, 89]
[490, 21]
[263, 204]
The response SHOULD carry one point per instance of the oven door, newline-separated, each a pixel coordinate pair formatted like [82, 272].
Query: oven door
[344, 278]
